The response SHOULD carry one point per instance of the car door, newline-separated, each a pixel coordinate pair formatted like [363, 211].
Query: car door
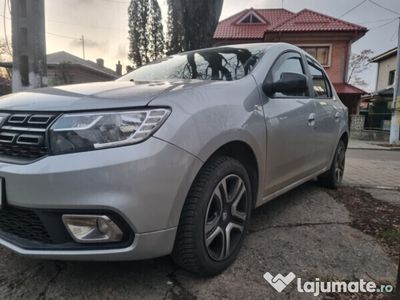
[328, 116]
[290, 133]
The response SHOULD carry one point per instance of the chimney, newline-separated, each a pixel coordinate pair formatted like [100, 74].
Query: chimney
[100, 62]
[118, 69]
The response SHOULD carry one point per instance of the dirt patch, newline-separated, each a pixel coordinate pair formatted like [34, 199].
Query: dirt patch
[372, 216]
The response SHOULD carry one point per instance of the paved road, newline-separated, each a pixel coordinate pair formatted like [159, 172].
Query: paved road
[305, 231]
[373, 168]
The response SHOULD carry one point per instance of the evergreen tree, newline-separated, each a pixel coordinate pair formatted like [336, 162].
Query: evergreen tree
[175, 30]
[156, 31]
[191, 24]
[145, 32]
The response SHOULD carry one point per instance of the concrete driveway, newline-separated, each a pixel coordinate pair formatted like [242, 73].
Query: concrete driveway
[305, 231]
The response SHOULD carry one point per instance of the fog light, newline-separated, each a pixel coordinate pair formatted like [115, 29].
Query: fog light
[92, 228]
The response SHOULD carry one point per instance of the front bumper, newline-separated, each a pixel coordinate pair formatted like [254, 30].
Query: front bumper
[144, 184]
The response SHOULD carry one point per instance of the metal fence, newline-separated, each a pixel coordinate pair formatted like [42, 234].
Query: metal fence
[377, 121]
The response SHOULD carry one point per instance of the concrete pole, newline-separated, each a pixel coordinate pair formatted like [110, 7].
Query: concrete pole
[29, 44]
[395, 123]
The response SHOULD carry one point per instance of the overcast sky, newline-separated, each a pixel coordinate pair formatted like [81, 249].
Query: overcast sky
[104, 23]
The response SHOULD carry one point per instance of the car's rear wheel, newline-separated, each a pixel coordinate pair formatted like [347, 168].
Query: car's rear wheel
[334, 176]
[214, 218]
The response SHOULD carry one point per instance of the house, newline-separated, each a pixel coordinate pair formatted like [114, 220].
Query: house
[386, 71]
[326, 38]
[378, 105]
[66, 68]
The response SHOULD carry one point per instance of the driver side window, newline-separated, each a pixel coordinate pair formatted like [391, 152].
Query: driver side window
[290, 65]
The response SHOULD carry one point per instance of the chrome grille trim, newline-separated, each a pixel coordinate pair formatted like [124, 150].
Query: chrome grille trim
[45, 119]
[23, 135]
[24, 129]
[17, 118]
[36, 140]
[7, 134]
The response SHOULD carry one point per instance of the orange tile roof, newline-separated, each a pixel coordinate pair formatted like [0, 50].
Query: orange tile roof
[345, 88]
[281, 20]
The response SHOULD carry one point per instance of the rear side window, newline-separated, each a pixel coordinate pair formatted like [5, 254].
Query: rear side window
[290, 65]
[321, 86]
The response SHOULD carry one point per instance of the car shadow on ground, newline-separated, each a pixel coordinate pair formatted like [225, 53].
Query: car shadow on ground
[304, 231]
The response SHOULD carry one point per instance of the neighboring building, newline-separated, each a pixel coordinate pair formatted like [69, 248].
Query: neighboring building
[386, 70]
[326, 38]
[378, 111]
[65, 68]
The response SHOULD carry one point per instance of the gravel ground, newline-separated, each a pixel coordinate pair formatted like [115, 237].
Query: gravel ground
[307, 232]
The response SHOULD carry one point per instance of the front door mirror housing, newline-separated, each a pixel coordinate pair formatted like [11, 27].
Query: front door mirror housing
[290, 84]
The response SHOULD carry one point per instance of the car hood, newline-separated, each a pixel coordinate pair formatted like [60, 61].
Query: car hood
[90, 96]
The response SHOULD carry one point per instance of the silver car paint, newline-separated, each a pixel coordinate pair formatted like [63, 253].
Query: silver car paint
[147, 183]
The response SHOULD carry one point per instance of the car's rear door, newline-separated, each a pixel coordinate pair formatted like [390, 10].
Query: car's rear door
[327, 116]
[290, 123]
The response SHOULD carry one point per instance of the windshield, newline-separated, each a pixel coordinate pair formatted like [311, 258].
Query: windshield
[224, 63]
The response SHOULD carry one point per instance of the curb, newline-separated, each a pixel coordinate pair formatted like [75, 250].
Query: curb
[376, 187]
[375, 149]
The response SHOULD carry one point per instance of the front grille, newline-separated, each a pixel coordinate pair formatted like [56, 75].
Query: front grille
[24, 135]
[23, 224]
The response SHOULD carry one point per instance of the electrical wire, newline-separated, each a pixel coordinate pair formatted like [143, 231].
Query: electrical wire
[63, 36]
[116, 1]
[376, 21]
[80, 25]
[394, 35]
[382, 25]
[384, 7]
[353, 8]
[49, 33]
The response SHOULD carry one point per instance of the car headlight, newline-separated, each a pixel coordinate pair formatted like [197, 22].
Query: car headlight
[99, 130]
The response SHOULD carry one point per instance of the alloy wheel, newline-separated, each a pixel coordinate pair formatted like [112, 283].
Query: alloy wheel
[339, 164]
[225, 217]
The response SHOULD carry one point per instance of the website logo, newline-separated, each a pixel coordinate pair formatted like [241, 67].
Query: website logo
[279, 282]
[317, 287]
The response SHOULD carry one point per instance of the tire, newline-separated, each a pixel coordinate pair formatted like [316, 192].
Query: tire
[210, 220]
[333, 177]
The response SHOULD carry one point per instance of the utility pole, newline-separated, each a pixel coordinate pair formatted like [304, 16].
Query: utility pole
[29, 44]
[83, 46]
[395, 123]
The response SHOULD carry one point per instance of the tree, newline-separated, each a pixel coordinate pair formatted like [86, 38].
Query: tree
[175, 30]
[145, 32]
[5, 75]
[191, 24]
[156, 49]
[359, 62]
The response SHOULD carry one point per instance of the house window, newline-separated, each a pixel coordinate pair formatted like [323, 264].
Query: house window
[320, 53]
[391, 77]
[251, 19]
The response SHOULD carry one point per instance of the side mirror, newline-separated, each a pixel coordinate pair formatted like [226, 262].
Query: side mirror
[291, 84]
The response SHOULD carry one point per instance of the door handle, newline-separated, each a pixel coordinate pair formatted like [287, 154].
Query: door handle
[311, 120]
[337, 116]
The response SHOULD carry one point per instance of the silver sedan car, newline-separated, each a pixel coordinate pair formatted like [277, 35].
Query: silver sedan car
[169, 159]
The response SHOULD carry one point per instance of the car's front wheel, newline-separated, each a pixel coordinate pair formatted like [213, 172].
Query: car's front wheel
[214, 218]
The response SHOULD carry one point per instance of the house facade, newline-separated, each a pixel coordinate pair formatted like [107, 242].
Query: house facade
[379, 104]
[326, 38]
[386, 69]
